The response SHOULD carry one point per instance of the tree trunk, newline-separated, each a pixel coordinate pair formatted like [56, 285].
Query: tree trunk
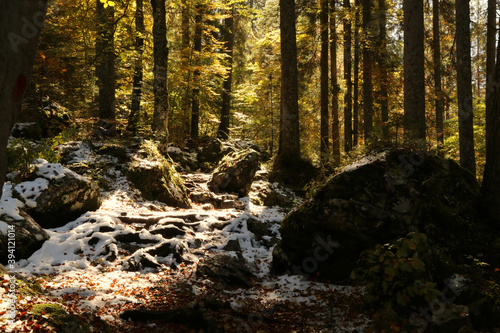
[185, 54]
[356, 103]
[384, 76]
[135, 107]
[335, 86]
[325, 117]
[160, 54]
[20, 24]
[414, 73]
[225, 114]
[367, 71]
[348, 80]
[289, 142]
[105, 69]
[490, 61]
[464, 86]
[437, 74]
[490, 189]
[195, 104]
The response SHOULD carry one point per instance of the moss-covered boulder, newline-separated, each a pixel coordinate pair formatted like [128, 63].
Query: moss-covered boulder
[56, 195]
[56, 317]
[236, 172]
[376, 201]
[155, 176]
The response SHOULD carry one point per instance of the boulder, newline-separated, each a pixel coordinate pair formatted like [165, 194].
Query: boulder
[376, 201]
[236, 172]
[155, 176]
[28, 235]
[58, 195]
[46, 121]
[212, 153]
[271, 194]
[227, 271]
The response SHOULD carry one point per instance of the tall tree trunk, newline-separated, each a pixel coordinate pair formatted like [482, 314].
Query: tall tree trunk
[325, 116]
[335, 86]
[491, 35]
[356, 103]
[384, 76]
[289, 142]
[348, 80]
[367, 71]
[464, 86]
[437, 74]
[185, 54]
[105, 69]
[20, 24]
[225, 114]
[195, 103]
[135, 107]
[414, 72]
[160, 55]
[490, 189]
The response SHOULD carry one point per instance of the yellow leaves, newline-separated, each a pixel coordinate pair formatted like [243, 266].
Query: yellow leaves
[108, 3]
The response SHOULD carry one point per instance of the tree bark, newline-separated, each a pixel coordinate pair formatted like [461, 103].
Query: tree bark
[135, 107]
[384, 76]
[289, 142]
[367, 71]
[335, 86]
[105, 69]
[225, 114]
[160, 55]
[348, 80]
[464, 86]
[21, 22]
[490, 61]
[325, 116]
[355, 106]
[414, 73]
[195, 103]
[437, 74]
[185, 62]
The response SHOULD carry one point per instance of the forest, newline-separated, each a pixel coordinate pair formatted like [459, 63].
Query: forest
[249, 166]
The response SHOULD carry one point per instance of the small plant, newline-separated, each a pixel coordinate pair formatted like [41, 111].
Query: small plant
[396, 278]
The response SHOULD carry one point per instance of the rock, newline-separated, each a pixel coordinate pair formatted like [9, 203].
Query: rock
[114, 149]
[452, 318]
[212, 153]
[271, 194]
[48, 121]
[31, 130]
[29, 237]
[184, 159]
[236, 172]
[376, 201]
[156, 177]
[66, 196]
[226, 270]
[58, 318]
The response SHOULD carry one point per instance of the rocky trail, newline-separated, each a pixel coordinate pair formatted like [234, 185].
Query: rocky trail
[138, 265]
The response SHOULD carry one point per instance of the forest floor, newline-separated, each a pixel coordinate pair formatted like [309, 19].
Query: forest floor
[74, 270]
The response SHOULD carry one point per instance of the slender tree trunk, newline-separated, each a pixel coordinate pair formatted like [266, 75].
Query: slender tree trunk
[356, 103]
[414, 72]
[20, 24]
[490, 189]
[160, 55]
[335, 86]
[464, 86]
[367, 71]
[491, 35]
[185, 54]
[195, 104]
[105, 69]
[384, 76]
[325, 116]
[348, 80]
[437, 74]
[135, 107]
[228, 36]
[289, 142]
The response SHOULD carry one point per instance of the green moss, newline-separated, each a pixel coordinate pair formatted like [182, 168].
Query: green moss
[58, 316]
[29, 287]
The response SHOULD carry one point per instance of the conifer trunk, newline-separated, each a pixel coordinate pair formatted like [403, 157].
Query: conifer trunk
[195, 103]
[348, 80]
[135, 107]
[437, 74]
[228, 37]
[335, 86]
[325, 117]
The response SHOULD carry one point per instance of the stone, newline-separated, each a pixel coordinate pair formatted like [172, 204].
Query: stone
[67, 196]
[50, 119]
[212, 153]
[29, 237]
[376, 201]
[271, 194]
[225, 270]
[236, 172]
[452, 318]
[156, 178]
